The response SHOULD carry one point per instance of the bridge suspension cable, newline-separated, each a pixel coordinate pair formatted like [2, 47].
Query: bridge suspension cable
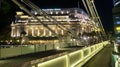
[92, 11]
[46, 16]
[27, 11]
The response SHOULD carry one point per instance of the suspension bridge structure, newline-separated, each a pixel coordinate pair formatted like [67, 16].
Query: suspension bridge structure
[61, 37]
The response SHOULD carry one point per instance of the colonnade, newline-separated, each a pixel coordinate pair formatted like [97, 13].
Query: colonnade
[35, 30]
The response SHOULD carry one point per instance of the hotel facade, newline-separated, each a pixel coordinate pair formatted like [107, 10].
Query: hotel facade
[74, 19]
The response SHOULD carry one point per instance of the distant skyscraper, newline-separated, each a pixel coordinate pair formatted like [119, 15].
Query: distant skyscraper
[116, 16]
[116, 19]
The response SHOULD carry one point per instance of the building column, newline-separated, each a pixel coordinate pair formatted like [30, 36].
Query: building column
[38, 34]
[62, 32]
[50, 33]
[12, 32]
[33, 32]
[41, 30]
[18, 32]
[56, 30]
[44, 31]
[15, 32]
[26, 30]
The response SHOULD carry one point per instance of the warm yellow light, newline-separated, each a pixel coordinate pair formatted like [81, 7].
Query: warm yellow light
[57, 47]
[18, 40]
[98, 29]
[10, 40]
[56, 12]
[25, 16]
[52, 62]
[36, 28]
[19, 13]
[62, 12]
[118, 28]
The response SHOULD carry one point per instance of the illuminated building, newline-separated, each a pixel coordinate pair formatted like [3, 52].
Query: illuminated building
[116, 19]
[73, 18]
[116, 16]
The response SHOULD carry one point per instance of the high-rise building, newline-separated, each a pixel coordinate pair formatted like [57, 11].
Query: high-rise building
[116, 19]
[116, 16]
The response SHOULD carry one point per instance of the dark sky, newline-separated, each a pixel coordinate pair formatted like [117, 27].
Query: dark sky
[104, 8]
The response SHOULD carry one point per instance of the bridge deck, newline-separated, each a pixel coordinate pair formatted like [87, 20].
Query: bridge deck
[102, 59]
[18, 60]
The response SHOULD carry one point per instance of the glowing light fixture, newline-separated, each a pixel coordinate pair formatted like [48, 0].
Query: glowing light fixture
[19, 13]
[118, 28]
[57, 47]
[25, 16]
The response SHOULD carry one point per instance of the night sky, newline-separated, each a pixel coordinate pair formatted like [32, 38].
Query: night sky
[104, 7]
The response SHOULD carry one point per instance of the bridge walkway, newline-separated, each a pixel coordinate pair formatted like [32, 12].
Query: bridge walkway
[102, 59]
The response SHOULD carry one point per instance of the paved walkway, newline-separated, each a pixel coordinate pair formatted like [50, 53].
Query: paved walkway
[102, 59]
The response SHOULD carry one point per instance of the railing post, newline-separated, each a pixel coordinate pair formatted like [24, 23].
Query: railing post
[67, 60]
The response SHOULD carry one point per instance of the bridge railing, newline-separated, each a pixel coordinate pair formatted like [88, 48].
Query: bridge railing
[115, 56]
[12, 51]
[72, 59]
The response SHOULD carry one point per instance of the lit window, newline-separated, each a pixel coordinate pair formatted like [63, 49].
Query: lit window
[51, 12]
[19, 13]
[118, 22]
[117, 17]
[67, 12]
[56, 12]
[35, 13]
[62, 12]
